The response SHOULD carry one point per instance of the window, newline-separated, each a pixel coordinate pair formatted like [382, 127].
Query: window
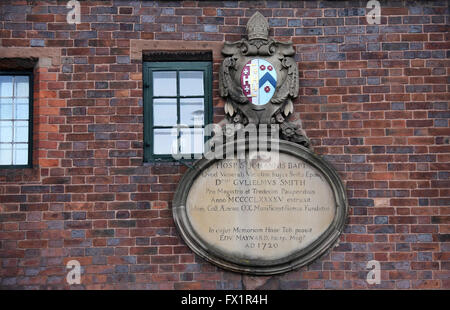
[177, 105]
[15, 119]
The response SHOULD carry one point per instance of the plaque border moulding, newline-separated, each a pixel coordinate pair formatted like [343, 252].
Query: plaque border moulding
[241, 110]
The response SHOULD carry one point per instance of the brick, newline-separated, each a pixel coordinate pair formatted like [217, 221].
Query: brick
[46, 18]
[12, 217]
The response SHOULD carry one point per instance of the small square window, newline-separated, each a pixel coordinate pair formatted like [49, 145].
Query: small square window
[15, 119]
[177, 106]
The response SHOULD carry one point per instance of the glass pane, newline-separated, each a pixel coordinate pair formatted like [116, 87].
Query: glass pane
[21, 87]
[164, 112]
[21, 108]
[165, 141]
[6, 108]
[20, 154]
[5, 154]
[164, 83]
[192, 140]
[21, 132]
[6, 86]
[191, 111]
[191, 83]
[6, 131]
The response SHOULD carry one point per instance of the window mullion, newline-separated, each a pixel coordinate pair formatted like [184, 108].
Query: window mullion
[206, 101]
[178, 113]
[13, 118]
[151, 111]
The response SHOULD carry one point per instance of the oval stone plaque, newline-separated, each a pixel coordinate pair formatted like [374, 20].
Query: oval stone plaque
[247, 216]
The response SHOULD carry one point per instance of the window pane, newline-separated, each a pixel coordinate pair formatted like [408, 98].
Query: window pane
[6, 131]
[5, 154]
[192, 140]
[20, 131]
[164, 83]
[165, 141]
[6, 108]
[164, 112]
[21, 87]
[21, 108]
[192, 111]
[6, 86]
[20, 154]
[191, 83]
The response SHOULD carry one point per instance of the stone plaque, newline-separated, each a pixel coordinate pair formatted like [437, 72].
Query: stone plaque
[248, 216]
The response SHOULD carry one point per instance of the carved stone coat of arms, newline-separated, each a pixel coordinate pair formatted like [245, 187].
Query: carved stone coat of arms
[259, 80]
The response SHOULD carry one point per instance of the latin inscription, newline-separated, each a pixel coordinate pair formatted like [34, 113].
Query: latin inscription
[241, 208]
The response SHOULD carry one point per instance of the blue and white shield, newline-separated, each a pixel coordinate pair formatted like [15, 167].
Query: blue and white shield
[258, 81]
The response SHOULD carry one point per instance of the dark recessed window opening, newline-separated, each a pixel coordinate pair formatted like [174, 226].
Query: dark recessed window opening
[177, 106]
[16, 89]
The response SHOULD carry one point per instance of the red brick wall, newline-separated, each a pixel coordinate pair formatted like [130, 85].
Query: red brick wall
[373, 99]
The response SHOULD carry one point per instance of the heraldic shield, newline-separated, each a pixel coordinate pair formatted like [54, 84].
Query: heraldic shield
[258, 81]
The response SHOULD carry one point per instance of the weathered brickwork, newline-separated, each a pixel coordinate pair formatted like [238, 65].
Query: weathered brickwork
[374, 99]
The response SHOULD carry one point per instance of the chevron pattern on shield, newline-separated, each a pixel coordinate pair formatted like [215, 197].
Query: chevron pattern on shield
[258, 81]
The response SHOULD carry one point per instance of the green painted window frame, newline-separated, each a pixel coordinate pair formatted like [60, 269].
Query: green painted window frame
[30, 117]
[148, 69]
